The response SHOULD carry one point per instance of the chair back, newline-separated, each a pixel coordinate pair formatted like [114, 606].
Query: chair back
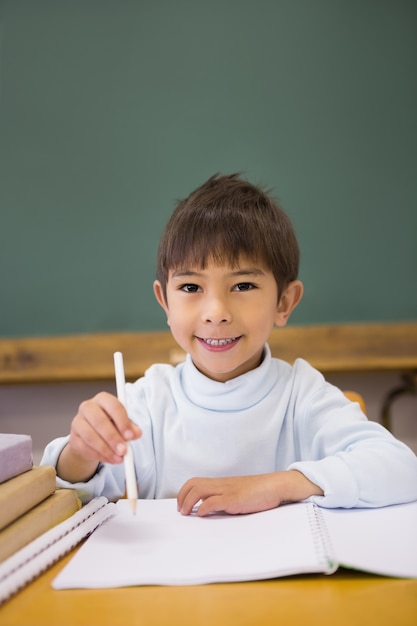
[354, 396]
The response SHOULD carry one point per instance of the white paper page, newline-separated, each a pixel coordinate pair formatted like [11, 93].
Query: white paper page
[160, 546]
[382, 541]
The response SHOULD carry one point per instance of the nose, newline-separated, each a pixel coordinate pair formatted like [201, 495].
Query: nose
[216, 311]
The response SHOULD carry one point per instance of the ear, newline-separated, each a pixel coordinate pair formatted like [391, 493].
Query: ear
[288, 301]
[159, 295]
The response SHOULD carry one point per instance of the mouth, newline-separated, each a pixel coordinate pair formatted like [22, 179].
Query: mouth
[218, 343]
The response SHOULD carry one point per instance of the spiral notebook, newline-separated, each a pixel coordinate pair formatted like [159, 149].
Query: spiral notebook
[158, 546]
[28, 562]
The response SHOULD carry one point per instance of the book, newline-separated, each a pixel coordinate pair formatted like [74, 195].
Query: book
[21, 493]
[54, 509]
[15, 455]
[34, 558]
[158, 546]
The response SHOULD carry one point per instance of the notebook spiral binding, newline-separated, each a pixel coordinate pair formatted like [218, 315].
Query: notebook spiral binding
[29, 562]
[321, 538]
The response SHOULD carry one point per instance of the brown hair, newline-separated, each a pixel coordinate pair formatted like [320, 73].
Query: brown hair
[223, 219]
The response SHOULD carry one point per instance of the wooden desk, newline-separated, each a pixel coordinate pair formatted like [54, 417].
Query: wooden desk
[343, 599]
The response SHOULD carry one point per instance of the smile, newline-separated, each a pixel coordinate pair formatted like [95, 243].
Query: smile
[219, 342]
[219, 345]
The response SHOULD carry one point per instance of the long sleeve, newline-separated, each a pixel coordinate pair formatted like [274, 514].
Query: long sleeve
[356, 462]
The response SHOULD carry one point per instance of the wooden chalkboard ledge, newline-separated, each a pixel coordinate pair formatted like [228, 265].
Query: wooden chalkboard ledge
[334, 348]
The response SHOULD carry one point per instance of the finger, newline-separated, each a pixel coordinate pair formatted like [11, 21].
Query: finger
[93, 423]
[212, 504]
[108, 418]
[118, 414]
[98, 451]
[187, 497]
[193, 491]
[181, 498]
[88, 440]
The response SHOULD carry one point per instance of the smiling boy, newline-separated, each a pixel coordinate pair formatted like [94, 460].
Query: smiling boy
[232, 429]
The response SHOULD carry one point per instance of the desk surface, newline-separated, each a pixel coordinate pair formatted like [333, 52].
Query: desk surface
[345, 598]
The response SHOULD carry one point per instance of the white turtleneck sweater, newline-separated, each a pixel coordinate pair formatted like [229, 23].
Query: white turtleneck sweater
[273, 418]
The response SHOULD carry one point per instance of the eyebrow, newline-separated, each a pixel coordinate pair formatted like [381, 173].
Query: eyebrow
[245, 271]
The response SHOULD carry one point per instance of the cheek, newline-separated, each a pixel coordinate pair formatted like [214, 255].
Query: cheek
[175, 319]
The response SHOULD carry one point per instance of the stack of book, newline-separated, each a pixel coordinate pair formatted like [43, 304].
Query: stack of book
[30, 504]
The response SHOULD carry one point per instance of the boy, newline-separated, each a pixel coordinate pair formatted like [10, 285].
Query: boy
[232, 428]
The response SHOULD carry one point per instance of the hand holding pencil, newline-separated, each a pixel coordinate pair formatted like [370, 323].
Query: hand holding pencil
[100, 432]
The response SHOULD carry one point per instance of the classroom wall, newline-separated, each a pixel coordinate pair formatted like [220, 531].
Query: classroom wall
[111, 110]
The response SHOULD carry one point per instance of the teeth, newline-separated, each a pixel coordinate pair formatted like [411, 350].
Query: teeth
[219, 342]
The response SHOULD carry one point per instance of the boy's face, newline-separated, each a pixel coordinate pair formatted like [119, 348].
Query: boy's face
[222, 316]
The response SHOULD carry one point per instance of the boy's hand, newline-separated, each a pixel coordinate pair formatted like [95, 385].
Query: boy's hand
[98, 433]
[244, 494]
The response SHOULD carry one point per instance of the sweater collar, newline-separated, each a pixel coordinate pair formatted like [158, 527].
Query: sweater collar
[237, 394]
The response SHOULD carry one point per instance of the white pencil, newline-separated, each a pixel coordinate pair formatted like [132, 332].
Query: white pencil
[131, 485]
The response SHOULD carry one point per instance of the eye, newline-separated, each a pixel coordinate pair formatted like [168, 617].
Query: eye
[244, 287]
[189, 288]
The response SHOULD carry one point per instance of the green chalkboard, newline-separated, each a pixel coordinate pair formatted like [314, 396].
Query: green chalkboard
[111, 110]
